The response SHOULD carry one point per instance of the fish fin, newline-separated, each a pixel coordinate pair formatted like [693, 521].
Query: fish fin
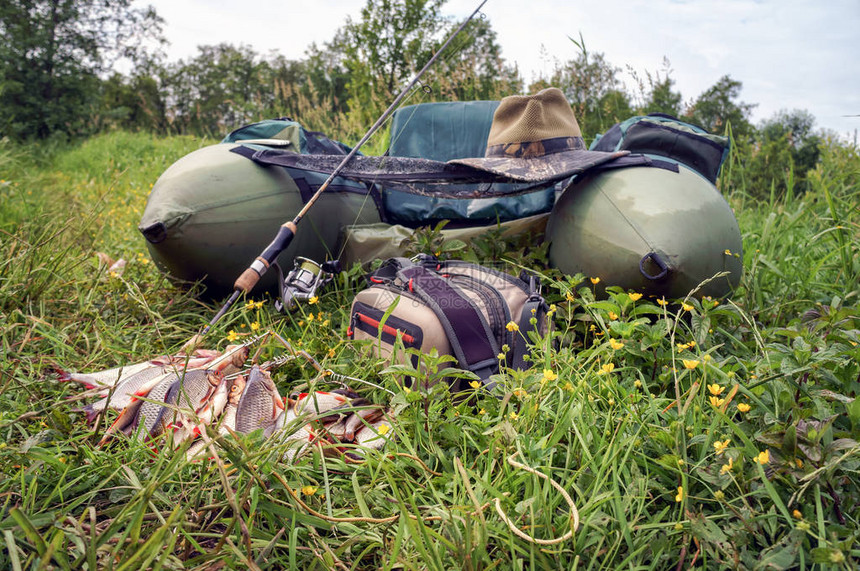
[90, 413]
[62, 375]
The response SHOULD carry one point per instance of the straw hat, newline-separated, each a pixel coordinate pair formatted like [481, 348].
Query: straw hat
[536, 137]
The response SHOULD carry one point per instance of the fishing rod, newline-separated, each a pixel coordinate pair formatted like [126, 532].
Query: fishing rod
[249, 278]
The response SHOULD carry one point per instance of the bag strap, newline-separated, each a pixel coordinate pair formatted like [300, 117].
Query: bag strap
[469, 334]
[535, 306]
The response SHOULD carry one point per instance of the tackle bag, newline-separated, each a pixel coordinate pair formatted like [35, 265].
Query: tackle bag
[666, 136]
[461, 309]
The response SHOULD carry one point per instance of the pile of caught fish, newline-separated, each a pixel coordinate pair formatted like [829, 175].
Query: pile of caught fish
[206, 389]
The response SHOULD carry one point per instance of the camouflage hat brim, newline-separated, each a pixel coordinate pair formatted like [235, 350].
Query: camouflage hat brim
[553, 166]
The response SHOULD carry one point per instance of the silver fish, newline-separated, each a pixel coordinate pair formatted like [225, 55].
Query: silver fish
[112, 377]
[129, 416]
[228, 418]
[259, 404]
[226, 421]
[374, 436]
[200, 399]
[152, 414]
[107, 378]
[136, 385]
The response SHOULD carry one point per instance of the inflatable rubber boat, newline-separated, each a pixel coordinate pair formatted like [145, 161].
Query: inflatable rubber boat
[660, 227]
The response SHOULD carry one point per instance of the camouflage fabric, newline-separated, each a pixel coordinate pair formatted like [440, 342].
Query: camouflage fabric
[434, 178]
[555, 166]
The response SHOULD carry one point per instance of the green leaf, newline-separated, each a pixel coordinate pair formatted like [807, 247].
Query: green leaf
[782, 554]
[789, 441]
[853, 410]
[453, 246]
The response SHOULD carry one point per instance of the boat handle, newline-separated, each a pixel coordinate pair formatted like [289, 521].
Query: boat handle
[658, 261]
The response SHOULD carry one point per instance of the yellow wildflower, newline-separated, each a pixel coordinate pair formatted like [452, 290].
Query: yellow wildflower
[567, 386]
[552, 309]
[382, 429]
[743, 407]
[475, 385]
[511, 326]
[500, 356]
[679, 497]
[637, 383]
[720, 447]
[314, 299]
[635, 296]
[716, 389]
[514, 416]
[607, 368]
[797, 514]
[520, 392]
[250, 305]
[612, 315]
[798, 462]
[232, 335]
[258, 305]
[727, 252]
[482, 412]
[662, 302]
[615, 344]
[762, 458]
[717, 401]
[549, 375]
[681, 346]
[719, 495]
[331, 353]
[686, 307]
[594, 281]
[310, 317]
[727, 467]
[569, 296]
[309, 490]
[690, 363]
[255, 326]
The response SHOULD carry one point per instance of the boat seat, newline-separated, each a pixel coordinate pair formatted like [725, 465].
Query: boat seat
[444, 131]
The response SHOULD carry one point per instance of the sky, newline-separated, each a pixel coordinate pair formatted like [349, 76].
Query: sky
[789, 54]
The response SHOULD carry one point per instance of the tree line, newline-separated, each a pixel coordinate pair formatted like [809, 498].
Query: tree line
[57, 59]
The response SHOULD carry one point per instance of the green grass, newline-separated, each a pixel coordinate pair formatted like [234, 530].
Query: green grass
[599, 414]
